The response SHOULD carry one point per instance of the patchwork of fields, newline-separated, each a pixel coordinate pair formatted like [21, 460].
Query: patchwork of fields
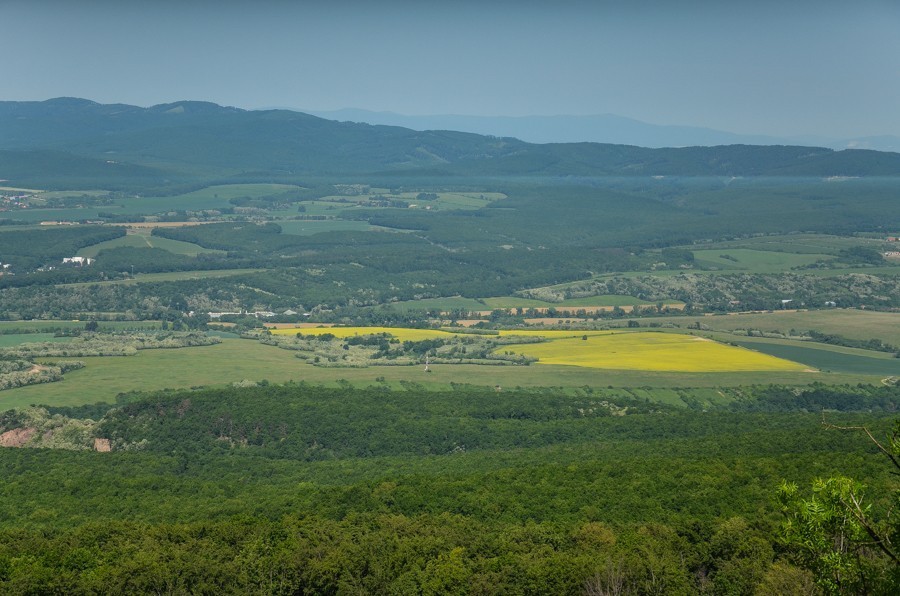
[648, 351]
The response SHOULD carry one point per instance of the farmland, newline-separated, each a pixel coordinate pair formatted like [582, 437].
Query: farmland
[601, 349]
[234, 361]
[404, 399]
[755, 261]
[654, 351]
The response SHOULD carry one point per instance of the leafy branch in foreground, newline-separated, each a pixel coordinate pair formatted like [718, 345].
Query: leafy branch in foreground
[841, 538]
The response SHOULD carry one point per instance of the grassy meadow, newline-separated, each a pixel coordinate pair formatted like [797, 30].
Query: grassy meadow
[9, 340]
[754, 261]
[142, 238]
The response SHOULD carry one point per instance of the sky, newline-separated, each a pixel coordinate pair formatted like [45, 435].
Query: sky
[798, 67]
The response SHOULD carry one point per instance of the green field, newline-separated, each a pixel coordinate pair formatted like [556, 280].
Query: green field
[754, 261]
[15, 339]
[35, 326]
[142, 238]
[455, 200]
[824, 357]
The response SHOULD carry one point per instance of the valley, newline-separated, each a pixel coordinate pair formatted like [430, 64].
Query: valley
[262, 352]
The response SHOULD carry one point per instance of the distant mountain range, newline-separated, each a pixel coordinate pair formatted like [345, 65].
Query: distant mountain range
[602, 128]
[85, 143]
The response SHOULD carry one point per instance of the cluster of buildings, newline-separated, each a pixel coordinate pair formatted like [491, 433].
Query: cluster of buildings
[259, 314]
[12, 202]
[79, 261]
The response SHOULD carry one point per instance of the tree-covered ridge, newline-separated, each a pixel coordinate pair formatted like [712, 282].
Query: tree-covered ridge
[299, 421]
[298, 488]
[201, 140]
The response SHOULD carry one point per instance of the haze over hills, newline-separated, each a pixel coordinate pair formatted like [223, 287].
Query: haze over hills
[600, 128]
[192, 140]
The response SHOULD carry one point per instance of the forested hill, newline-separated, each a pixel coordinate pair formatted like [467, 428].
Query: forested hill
[203, 140]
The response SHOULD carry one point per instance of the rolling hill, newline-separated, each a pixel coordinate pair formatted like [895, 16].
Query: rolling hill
[202, 141]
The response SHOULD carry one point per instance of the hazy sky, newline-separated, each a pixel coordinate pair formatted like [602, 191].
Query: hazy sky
[782, 68]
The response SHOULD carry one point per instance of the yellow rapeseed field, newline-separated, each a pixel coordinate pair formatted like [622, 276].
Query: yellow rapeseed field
[668, 352]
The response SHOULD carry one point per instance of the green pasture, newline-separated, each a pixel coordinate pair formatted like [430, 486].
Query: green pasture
[71, 214]
[453, 200]
[34, 326]
[15, 339]
[143, 238]
[326, 207]
[754, 261]
[235, 360]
